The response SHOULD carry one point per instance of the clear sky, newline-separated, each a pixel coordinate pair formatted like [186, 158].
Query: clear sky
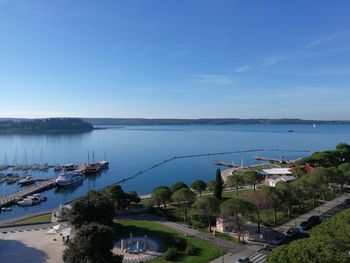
[179, 59]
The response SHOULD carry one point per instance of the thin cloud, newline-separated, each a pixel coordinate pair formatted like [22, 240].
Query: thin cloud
[213, 79]
[272, 60]
[243, 69]
[326, 39]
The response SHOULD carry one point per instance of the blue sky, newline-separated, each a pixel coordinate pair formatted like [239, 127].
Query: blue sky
[179, 59]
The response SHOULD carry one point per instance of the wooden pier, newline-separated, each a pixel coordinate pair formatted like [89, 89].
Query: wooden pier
[13, 198]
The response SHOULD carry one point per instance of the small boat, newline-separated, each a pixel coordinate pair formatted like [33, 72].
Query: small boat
[25, 202]
[103, 164]
[69, 167]
[69, 178]
[43, 167]
[92, 168]
[6, 209]
[38, 196]
[26, 181]
[290, 130]
[57, 168]
[11, 180]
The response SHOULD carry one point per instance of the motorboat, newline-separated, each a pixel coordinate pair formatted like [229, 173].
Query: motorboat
[25, 202]
[26, 181]
[57, 168]
[69, 178]
[103, 164]
[38, 196]
[6, 209]
[69, 167]
[32, 200]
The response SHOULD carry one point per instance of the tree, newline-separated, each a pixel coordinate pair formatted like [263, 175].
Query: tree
[285, 193]
[235, 180]
[95, 207]
[185, 197]
[199, 186]
[92, 243]
[274, 198]
[260, 201]
[132, 197]
[161, 195]
[211, 184]
[177, 186]
[116, 194]
[299, 192]
[236, 208]
[328, 243]
[219, 185]
[207, 206]
[343, 175]
[251, 177]
[344, 151]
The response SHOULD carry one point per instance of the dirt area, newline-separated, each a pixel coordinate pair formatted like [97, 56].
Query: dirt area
[33, 246]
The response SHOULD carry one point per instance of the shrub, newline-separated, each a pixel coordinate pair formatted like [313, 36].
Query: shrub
[190, 250]
[179, 243]
[170, 254]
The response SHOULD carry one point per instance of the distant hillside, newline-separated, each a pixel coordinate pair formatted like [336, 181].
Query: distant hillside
[219, 121]
[44, 125]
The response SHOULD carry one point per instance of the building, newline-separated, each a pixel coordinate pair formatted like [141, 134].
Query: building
[275, 172]
[284, 178]
[224, 225]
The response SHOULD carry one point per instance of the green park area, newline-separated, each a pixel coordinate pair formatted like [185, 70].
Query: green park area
[38, 219]
[202, 251]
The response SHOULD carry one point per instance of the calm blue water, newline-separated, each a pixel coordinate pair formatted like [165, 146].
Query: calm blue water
[132, 148]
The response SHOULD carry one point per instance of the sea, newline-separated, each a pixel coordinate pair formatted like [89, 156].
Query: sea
[131, 149]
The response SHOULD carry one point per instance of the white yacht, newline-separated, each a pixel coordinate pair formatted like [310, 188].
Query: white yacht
[69, 178]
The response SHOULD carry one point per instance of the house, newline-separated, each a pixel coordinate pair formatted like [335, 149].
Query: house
[224, 224]
[284, 178]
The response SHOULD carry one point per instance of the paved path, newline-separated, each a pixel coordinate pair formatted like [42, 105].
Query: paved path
[223, 244]
[320, 210]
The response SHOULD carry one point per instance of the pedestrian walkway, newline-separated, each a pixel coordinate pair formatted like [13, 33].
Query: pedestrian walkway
[318, 211]
[242, 251]
[258, 257]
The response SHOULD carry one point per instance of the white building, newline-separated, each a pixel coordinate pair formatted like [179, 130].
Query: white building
[274, 172]
[284, 178]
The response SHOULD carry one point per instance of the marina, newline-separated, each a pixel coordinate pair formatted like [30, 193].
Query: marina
[72, 174]
[144, 157]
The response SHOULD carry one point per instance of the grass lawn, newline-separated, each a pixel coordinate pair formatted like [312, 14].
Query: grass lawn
[205, 252]
[35, 219]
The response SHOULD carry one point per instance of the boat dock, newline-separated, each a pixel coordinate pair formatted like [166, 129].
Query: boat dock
[13, 198]
[220, 163]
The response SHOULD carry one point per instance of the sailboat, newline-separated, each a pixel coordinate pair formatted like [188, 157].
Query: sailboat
[314, 125]
[5, 165]
[91, 168]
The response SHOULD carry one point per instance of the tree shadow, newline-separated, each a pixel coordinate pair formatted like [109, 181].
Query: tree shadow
[17, 252]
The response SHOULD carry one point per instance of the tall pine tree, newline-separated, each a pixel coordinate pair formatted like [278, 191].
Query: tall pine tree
[219, 185]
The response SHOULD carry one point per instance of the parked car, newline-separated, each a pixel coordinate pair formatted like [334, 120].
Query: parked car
[279, 240]
[347, 201]
[305, 225]
[315, 220]
[269, 247]
[243, 259]
[292, 231]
